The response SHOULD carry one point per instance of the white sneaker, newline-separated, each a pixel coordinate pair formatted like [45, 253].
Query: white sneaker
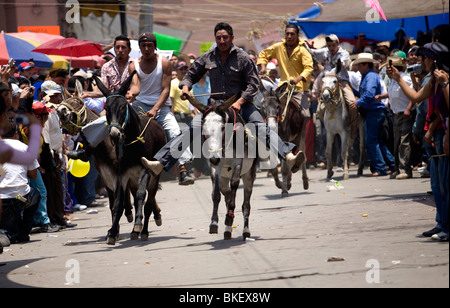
[441, 236]
[79, 207]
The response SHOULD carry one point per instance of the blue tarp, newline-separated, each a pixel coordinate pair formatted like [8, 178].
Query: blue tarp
[382, 31]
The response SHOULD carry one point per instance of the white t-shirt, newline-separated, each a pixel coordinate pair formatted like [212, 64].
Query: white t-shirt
[15, 181]
[397, 98]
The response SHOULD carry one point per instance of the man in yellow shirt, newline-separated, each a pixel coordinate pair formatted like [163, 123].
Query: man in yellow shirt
[182, 109]
[295, 63]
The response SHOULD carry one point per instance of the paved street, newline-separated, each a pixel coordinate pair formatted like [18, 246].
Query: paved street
[369, 231]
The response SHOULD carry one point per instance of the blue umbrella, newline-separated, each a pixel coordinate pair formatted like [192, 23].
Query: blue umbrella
[21, 51]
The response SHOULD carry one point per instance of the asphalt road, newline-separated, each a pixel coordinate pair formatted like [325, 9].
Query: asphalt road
[365, 235]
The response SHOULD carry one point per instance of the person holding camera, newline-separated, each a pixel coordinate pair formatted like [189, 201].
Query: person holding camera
[403, 121]
[435, 58]
[19, 199]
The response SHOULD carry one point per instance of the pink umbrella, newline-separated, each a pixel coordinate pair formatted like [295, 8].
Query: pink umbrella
[70, 47]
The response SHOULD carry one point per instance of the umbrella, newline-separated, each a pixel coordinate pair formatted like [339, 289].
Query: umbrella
[70, 47]
[78, 62]
[21, 50]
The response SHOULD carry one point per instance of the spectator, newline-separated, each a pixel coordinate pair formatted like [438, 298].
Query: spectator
[401, 41]
[19, 200]
[436, 57]
[41, 218]
[182, 109]
[403, 121]
[374, 116]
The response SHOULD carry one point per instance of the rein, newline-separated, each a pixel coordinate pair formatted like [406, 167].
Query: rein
[122, 127]
[335, 100]
[78, 113]
[289, 92]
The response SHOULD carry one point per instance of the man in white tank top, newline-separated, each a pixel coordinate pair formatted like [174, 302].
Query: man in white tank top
[155, 75]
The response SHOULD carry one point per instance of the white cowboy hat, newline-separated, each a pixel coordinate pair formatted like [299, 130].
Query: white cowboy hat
[364, 58]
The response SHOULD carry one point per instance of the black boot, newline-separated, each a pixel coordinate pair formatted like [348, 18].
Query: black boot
[185, 178]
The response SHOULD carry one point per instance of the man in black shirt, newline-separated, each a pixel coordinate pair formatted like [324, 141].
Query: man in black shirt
[231, 71]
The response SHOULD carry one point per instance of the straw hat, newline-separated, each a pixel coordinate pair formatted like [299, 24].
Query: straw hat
[364, 58]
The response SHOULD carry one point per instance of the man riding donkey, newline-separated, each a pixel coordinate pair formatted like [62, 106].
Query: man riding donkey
[231, 72]
[296, 66]
[148, 93]
[329, 56]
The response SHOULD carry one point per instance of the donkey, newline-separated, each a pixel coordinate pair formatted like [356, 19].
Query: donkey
[337, 122]
[227, 171]
[74, 115]
[291, 129]
[133, 137]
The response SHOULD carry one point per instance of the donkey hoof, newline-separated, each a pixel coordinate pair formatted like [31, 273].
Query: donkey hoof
[138, 228]
[144, 237]
[330, 174]
[130, 217]
[285, 194]
[227, 235]
[111, 240]
[213, 229]
[306, 185]
[158, 222]
[134, 236]
[346, 176]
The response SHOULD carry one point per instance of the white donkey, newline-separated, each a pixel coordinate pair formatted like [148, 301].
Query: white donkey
[337, 122]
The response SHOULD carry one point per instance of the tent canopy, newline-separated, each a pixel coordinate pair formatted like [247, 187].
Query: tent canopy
[335, 16]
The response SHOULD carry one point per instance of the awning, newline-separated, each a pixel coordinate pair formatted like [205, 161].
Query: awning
[348, 18]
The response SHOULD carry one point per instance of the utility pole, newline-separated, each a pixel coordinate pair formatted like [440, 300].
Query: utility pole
[123, 18]
[146, 17]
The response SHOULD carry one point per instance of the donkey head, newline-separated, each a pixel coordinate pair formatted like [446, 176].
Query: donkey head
[118, 110]
[271, 104]
[213, 125]
[330, 84]
[72, 112]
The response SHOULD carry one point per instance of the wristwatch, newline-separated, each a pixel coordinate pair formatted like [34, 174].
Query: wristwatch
[445, 84]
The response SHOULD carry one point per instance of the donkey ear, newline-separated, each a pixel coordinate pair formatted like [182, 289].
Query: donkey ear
[102, 87]
[338, 66]
[126, 85]
[229, 102]
[281, 89]
[202, 108]
[78, 89]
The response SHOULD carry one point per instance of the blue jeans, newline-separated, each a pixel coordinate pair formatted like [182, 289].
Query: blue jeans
[40, 217]
[379, 154]
[439, 178]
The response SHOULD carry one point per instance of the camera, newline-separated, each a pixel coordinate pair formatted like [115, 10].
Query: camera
[415, 69]
[21, 119]
[11, 62]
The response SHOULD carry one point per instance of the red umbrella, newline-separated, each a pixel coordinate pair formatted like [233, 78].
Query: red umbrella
[70, 47]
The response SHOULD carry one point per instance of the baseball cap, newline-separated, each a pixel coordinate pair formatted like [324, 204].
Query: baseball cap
[50, 88]
[332, 38]
[147, 37]
[83, 74]
[400, 54]
[39, 108]
[181, 64]
[25, 65]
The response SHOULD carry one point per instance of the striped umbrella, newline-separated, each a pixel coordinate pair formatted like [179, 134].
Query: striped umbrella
[20, 49]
